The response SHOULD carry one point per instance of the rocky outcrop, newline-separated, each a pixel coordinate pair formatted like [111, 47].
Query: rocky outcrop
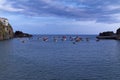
[20, 34]
[118, 31]
[109, 35]
[6, 31]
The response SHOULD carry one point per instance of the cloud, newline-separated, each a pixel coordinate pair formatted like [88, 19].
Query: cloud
[7, 6]
[83, 10]
[113, 7]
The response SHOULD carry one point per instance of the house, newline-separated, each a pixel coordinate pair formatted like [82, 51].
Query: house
[4, 21]
[6, 31]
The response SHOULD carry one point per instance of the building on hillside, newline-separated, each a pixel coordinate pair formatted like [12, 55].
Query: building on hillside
[4, 21]
[6, 31]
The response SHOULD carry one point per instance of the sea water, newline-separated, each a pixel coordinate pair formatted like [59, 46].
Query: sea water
[35, 59]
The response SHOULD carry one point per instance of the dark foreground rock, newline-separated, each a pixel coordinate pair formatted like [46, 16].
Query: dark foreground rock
[6, 31]
[20, 34]
[109, 35]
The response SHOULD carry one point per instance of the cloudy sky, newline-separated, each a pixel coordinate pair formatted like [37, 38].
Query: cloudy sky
[62, 16]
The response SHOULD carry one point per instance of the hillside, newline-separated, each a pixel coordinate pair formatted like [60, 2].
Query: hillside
[6, 31]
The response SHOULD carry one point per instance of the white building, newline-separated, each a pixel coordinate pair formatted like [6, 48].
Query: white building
[4, 21]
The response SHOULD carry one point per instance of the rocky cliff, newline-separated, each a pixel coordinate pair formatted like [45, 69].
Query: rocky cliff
[109, 35]
[6, 31]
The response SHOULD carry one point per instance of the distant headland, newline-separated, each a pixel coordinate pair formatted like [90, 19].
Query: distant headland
[6, 30]
[109, 35]
[21, 34]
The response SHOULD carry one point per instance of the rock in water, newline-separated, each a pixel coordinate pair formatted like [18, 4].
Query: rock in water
[118, 31]
[6, 31]
[110, 35]
[20, 34]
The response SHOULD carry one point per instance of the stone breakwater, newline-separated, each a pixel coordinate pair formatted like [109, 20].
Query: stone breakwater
[6, 30]
[109, 35]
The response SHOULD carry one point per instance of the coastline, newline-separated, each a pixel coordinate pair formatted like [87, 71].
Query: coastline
[109, 35]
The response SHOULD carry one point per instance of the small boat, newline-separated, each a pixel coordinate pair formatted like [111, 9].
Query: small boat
[55, 39]
[64, 38]
[45, 39]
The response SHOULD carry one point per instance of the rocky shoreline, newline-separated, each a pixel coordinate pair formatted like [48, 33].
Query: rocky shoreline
[6, 31]
[20, 34]
[109, 35]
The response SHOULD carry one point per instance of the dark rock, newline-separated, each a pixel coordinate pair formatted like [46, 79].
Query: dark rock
[21, 34]
[106, 37]
[110, 35]
[118, 32]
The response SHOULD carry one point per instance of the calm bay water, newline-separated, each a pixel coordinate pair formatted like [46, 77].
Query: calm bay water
[62, 60]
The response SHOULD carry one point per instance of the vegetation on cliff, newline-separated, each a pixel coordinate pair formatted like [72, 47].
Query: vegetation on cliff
[6, 31]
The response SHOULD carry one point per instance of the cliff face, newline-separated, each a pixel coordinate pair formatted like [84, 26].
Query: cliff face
[110, 35]
[6, 31]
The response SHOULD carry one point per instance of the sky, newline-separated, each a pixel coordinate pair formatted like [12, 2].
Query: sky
[62, 16]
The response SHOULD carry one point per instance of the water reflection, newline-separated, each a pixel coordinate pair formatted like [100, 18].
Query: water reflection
[118, 45]
[117, 50]
[5, 52]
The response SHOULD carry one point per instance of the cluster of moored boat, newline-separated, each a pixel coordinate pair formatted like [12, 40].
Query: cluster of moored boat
[62, 38]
